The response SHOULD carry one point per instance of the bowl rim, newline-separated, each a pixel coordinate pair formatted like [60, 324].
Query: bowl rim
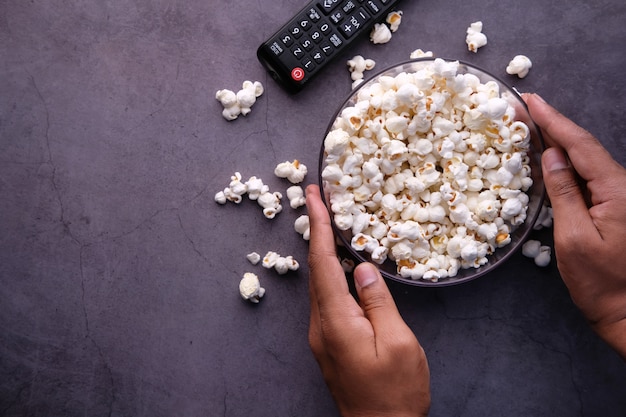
[450, 281]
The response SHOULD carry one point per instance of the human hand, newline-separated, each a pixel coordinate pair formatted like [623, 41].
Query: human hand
[370, 359]
[586, 187]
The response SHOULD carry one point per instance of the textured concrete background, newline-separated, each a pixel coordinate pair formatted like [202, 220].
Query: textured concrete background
[119, 273]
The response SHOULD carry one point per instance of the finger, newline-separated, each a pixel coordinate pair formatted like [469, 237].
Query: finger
[570, 210]
[326, 273]
[589, 158]
[376, 301]
[331, 301]
[327, 278]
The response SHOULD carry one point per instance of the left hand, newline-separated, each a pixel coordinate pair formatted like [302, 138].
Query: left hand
[371, 360]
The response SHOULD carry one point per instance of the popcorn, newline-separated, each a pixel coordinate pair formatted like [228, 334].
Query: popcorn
[303, 226]
[475, 38]
[270, 202]
[429, 170]
[250, 288]
[347, 265]
[270, 258]
[380, 33]
[545, 218]
[530, 248]
[418, 53]
[286, 264]
[240, 102]
[358, 65]
[255, 188]
[220, 197]
[295, 194]
[253, 257]
[293, 171]
[234, 192]
[246, 97]
[281, 264]
[520, 65]
[393, 20]
[541, 254]
[228, 99]
[544, 257]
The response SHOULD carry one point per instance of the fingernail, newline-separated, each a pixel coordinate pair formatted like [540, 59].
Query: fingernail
[554, 159]
[539, 98]
[366, 274]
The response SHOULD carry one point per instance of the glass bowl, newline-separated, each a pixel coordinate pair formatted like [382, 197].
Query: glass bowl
[367, 109]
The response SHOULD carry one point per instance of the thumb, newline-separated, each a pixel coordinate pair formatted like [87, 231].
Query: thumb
[376, 300]
[566, 198]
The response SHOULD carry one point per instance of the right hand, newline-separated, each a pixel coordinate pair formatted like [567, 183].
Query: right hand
[587, 191]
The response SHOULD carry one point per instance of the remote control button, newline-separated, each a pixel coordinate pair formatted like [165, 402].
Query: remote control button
[348, 7]
[313, 15]
[297, 74]
[316, 36]
[325, 27]
[307, 43]
[362, 15]
[308, 65]
[298, 52]
[296, 31]
[327, 6]
[317, 56]
[327, 49]
[373, 6]
[355, 22]
[336, 17]
[305, 24]
[335, 40]
[286, 39]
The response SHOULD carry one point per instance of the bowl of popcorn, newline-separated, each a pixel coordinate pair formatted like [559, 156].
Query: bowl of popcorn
[432, 170]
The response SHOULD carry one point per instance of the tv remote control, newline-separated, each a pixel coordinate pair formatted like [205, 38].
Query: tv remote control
[315, 35]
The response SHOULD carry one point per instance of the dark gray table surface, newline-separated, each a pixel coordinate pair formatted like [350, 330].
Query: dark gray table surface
[119, 273]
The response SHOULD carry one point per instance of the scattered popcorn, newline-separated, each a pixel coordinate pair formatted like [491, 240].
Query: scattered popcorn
[270, 202]
[295, 194]
[347, 265]
[475, 38]
[541, 254]
[250, 288]
[428, 169]
[544, 256]
[545, 218]
[281, 264]
[248, 94]
[520, 65]
[228, 99]
[418, 53]
[394, 19]
[358, 65]
[255, 188]
[220, 197]
[380, 33]
[294, 171]
[303, 226]
[254, 258]
[240, 102]
[234, 192]
[530, 248]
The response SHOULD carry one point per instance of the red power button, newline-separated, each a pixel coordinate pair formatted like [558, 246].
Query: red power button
[297, 74]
